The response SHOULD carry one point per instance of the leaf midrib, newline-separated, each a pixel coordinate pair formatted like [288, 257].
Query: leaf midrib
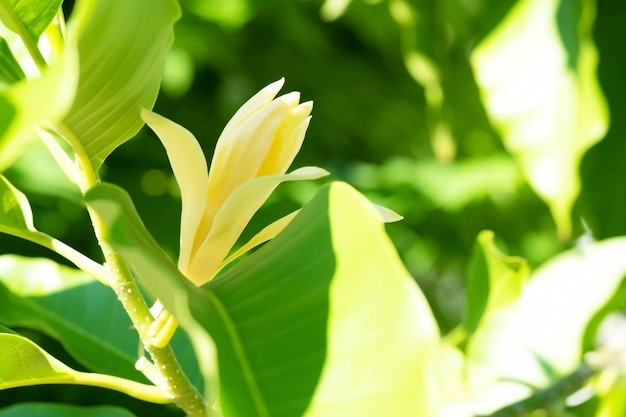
[239, 350]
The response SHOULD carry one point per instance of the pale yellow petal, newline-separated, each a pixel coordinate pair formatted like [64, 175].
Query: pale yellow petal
[240, 151]
[257, 101]
[190, 169]
[267, 233]
[285, 148]
[233, 216]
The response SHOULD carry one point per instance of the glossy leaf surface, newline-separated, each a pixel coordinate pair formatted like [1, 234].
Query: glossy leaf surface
[33, 15]
[322, 321]
[537, 76]
[122, 47]
[41, 101]
[78, 311]
[24, 363]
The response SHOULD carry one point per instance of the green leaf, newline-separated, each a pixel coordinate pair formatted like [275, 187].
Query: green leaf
[539, 338]
[613, 401]
[537, 76]
[16, 217]
[495, 281]
[122, 47]
[24, 363]
[37, 102]
[60, 410]
[10, 70]
[322, 321]
[40, 294]
[33, 15]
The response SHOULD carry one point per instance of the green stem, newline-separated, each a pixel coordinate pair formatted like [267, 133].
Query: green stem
[137, 390]
[172, 379]
[77, 258]
[89, 177]
[543, 398]
[19, 28]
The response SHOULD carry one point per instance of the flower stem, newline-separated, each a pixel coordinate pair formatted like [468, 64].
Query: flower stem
[77, 258]
[172, 379]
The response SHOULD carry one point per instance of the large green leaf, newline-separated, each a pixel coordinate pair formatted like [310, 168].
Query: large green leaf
[81, 313]
[322, 321]
[122, 47]
[539, 338]
[60, 410]
[72, 307]
[537, 76]
[32, 15]
[495, 281]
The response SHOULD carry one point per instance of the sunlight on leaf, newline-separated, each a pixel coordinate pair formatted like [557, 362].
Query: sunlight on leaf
[539, 337]
[43, 295]
[41, 101]
[122, 47]
[322, 321]
[15, 214]
[34, 15]
[537, 76]
[495, 281]
[24, 363]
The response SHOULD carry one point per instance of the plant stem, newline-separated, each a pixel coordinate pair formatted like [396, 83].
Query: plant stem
[143, 392]
[77, 258]
[172, 379]
[22, 32]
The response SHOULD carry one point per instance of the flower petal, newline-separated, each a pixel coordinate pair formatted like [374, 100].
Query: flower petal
[190, 169]
[241, 151]
[233, 216]
[269, 232]
[285, 148]
[257, 101]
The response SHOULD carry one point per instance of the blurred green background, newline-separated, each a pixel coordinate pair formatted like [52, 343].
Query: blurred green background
[423, 147]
